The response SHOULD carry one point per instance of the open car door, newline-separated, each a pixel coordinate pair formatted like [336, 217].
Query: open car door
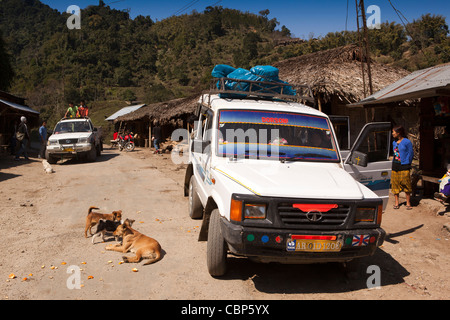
[368, 159]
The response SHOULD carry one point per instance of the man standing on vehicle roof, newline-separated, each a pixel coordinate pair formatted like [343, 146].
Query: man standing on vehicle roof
[83, 110]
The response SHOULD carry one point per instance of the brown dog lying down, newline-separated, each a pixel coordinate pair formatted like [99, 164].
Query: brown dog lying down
[133, 241]
[94, 217]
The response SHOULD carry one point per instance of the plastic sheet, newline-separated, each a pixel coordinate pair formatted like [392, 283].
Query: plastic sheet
[257, 73]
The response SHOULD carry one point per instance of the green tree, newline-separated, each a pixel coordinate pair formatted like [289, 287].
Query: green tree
[428, 30]
[7, 73]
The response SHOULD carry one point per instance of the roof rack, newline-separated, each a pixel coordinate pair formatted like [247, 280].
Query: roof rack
[261, 89]
[76, 118]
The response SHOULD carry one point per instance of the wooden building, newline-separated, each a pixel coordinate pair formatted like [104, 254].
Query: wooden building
[431, 87]
[12, 108]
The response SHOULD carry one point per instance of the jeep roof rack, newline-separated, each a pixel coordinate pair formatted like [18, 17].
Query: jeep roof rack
[79, 118]
[268, 90]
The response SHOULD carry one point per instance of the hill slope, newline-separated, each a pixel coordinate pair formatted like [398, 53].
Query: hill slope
[114, 57]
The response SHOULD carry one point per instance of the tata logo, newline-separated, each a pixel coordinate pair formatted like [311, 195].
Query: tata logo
[314, 216]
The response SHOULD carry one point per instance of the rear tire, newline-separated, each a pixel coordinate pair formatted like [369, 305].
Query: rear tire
[216, 253]
[195, 205]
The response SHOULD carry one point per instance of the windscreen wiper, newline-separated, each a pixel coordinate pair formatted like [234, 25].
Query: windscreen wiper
[302, 156]
[268, 153]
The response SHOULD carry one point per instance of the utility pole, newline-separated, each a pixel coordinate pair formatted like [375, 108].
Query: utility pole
[364, 52]
[364, 46]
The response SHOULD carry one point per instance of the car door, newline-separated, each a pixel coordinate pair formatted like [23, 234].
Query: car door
[373, 140]
[201, 153]
[368, 159]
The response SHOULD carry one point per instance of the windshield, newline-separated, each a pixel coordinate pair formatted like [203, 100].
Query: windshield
[72, 126]
[275, 136]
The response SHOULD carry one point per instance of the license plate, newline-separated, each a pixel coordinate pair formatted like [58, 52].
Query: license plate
[69, 150]
[314, 245]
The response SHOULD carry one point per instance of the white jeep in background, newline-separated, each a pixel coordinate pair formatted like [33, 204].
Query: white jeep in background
[268, 189]
[74, 138]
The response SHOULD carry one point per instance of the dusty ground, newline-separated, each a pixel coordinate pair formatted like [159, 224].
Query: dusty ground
[42, 224]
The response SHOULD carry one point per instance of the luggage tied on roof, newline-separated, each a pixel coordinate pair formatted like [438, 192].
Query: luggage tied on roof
[268, 75]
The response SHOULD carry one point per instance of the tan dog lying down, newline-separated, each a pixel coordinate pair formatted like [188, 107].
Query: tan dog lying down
[94, 217]
[133, 241]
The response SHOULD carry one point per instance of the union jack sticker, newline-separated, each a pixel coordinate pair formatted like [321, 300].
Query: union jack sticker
[360, 240]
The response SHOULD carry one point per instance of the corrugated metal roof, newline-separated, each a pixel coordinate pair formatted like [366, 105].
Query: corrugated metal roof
[19, 107]
[430, 82]
[124, 111]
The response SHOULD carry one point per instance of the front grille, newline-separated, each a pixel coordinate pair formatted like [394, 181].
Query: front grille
[68, 141]
[295, 218]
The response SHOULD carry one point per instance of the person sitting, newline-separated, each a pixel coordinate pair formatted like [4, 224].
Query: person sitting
[71, 111]
[83, 110]
[444, 187]
[319, 140]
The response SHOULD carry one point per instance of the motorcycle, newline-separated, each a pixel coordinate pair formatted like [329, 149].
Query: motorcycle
[126, 143]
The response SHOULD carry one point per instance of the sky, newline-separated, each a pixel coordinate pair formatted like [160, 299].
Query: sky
[305, 18]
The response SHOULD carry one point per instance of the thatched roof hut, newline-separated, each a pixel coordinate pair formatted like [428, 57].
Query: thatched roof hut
[170, 115]
[165, 112]
[335, 77]
[337, 73]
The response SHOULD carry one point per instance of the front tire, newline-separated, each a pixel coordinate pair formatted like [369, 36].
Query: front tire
[92, 154]
[50, 159]
[216, 253]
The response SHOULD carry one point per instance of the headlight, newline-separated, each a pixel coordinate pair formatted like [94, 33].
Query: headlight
[255, 211]
[83, 140]
[365, 214]
[52, 142]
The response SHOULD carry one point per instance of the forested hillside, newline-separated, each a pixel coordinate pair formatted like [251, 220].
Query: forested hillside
[116, 58]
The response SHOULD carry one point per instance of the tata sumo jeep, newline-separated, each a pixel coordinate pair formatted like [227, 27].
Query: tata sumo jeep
[267, 176]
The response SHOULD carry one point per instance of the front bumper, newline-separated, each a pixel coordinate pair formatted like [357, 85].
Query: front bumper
[271, 245]
[69, 150]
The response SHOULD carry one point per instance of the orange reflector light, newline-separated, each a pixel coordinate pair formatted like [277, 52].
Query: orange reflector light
[380, 214]
[318, 207]
[332, 238]
[236, 210]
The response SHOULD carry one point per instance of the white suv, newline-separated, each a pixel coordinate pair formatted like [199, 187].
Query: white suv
[74, 138]
[269, 181]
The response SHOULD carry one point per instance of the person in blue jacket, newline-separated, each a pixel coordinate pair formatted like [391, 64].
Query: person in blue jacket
[401, 166]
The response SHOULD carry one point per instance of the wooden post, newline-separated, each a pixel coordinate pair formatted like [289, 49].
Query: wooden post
[426, 135]
[150, 134]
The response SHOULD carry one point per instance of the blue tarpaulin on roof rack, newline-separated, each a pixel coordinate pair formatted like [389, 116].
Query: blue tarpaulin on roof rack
[267, 75]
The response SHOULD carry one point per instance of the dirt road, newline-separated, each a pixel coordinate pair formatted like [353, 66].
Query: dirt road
[42, 224]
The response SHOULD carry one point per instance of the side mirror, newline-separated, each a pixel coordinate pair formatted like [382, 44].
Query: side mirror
[359, 159]
[200, 146]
